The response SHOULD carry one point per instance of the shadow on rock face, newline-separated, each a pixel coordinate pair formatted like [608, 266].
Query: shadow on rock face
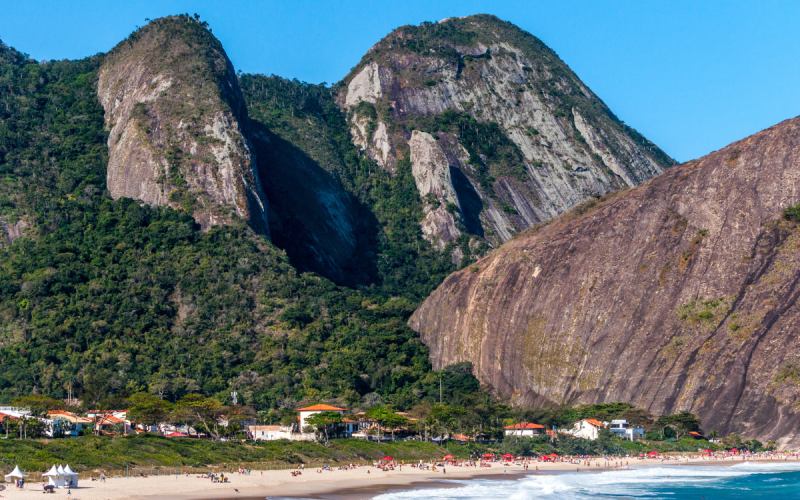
[320, 226]
[470, 201]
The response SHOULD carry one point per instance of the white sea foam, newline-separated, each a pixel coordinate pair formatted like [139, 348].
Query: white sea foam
[633, 482]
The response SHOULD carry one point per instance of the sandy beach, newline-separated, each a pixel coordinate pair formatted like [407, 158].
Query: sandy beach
[363, 482]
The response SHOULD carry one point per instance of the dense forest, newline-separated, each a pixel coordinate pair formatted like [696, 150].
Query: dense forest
[115, 298]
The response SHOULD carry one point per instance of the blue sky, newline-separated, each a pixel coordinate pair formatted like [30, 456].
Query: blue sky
[692, 76]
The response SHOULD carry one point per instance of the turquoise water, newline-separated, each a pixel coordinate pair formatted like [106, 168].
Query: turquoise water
[741, 481]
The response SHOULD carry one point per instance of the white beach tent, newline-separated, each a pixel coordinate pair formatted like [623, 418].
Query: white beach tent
[55, 477]
[15, 474]
[71, 477]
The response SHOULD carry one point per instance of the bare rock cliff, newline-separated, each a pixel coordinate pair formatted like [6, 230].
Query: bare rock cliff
[178, 125]
[431, 173]
[525, 137]
[679, 294]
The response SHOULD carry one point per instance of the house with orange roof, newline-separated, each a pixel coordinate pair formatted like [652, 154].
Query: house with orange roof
[305, 413]
[4, 421]
[462, 437]
[61, 423]
[588, 428]
[525, 429]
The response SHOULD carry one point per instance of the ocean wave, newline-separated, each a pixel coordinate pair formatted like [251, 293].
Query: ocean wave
[635, 482]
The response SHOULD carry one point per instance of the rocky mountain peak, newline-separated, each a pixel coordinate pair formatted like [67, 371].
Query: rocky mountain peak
[525, 138]
[178, 125]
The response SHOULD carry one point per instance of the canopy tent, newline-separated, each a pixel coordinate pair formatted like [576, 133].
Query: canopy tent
[388, 459]
[707, 451]
[488, 455]
[447, 457]
[653, 453]
[508, 455]
[553, 455]
[54, 477]
[15, 474]
[734, 449]
[62, 477]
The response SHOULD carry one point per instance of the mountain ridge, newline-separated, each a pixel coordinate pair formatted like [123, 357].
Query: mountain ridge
[553, 143]
[680, 294]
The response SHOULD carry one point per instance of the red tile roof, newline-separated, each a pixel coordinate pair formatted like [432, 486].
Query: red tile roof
[524, 425]
[108, 420]
[595, 422]
[321, 408]
[3, 416]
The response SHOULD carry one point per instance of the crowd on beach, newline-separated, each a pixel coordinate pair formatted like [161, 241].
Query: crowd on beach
[323, 478]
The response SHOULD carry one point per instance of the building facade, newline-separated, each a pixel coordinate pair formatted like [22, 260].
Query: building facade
[624, 430]
[525, 429]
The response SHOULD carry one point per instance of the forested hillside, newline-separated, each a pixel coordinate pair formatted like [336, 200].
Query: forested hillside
[116, 297]
[180, 291]
[305, 128]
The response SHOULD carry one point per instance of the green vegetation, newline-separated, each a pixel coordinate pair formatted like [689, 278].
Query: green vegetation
[792, 213]
[93, 452]
[116, 298]
[490, 150]
[305, 116]
[702, 311]
[119, 300]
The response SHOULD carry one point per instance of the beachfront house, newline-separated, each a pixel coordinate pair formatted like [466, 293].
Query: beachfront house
[588, 428]
[113, 421]
[269, 432]
[624, 430]
[525, 429]
[15, 411]
[306, 412]
[62, 423]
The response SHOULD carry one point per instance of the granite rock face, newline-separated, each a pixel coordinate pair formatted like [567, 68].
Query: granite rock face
[431, 173]
[679, 294]
[556, 143]
[11, 232]
[178, 125]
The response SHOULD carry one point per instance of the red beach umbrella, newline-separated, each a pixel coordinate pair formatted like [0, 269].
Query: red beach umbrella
[488, 455]
[447, 457]
[707, 451]
[553, 455]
